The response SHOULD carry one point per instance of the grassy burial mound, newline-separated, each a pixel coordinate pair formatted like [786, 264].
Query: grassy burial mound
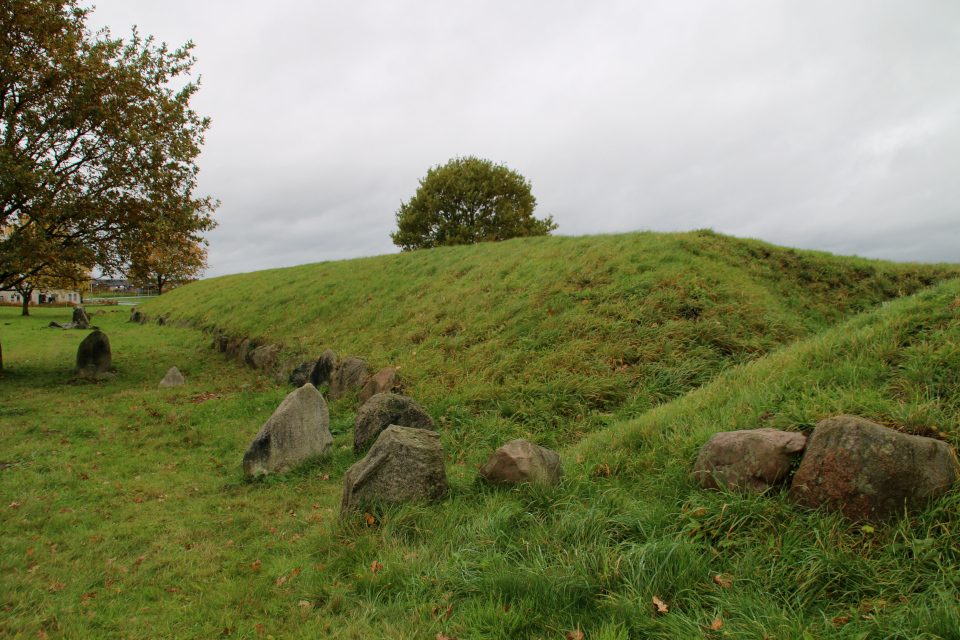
[125, 513]
[552, 337]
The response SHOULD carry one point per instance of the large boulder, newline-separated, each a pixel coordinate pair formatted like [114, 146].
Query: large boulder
[263, 357]
[383, 410]
[301, 375]
[349, 376]
[751, 460]
[867, 471]
[299, 429]
[324, 368]
[173, 379]
[93, 355]
[403, 465]
[522, 461]
[385, 381]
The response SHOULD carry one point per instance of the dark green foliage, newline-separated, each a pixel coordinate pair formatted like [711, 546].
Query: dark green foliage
[465, 201]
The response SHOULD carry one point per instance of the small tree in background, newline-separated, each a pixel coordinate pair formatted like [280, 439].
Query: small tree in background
[172, 261]
[465, 201]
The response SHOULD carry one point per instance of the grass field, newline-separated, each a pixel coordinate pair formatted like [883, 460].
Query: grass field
[124, 513]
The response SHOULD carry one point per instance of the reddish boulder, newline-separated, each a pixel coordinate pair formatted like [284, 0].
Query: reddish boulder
[522, 461]
[870, 472]
[752, 460]
[385, 381]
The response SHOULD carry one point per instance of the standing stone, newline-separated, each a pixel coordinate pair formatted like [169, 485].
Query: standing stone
[299, 429]
[263, 357]
[163, 321]
[301, 375]
[383, 410]
[93, 355]
[80, 318]
[233, 349]
[522, 461]
[870, 472]
[246, 347]
[134, 316]
[385, 381]
[349, 376]
[281, 374]
[750, 460]
[322, 371]
[403, 465]
[222, 343]
[173, 379]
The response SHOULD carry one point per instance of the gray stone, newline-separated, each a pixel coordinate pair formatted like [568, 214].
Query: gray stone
[299, 429]
[867, 471]
[301, 375]
[173, 379]
[134, 316]
[403, 465]
[222, 343]
[522, 461]
[163, 321]
[80, 318]
[750, 460]
[263, 357]
[233, 349]
[348, 376]
[383, 410]
[246, 347]
[281, 373]
[324, 368]
[384, 381]
[93, 355]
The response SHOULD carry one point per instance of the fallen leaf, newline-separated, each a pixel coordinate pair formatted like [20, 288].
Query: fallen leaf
[449, 612]
[305, 604]
[88, 596]
[140, 559]
[841, 620]
[660, 605]
[56, 586]
[375, 566]
[717, 623]
[723, 581]
[443, 636]
[260, 629]
[370, 519]
[255, 565]
[576, 634]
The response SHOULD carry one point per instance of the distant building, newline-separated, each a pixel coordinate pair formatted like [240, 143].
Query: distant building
[42, 296]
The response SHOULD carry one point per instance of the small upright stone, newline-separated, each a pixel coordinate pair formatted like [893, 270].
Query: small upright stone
[522, 461]
[246, 347]
[403, 465]
[134, 316]
[324, 368]
[349, 376]
[93, 355]
[233, 350]
[263, 357]
[80, 318]
[749, 460]
[867, 471]
[173, 379]
[299, 429]
[385, 381]
[383, 410]
[301, 375]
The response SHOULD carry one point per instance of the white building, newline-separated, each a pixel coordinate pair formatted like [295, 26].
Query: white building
[42, 296]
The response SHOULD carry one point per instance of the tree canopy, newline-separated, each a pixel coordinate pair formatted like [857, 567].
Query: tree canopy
[170, 261]
[97, 148]
[465, 201]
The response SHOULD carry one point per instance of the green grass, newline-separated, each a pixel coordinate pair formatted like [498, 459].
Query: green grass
[552, 337]
[125, 515]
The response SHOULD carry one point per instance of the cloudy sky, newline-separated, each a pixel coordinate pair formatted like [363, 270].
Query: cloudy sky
[816, 124]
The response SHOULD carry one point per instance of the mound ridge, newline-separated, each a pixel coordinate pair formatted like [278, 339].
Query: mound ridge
[553, 337]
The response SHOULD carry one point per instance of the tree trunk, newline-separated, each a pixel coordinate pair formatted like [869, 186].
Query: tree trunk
[1, 357]
[26, 304]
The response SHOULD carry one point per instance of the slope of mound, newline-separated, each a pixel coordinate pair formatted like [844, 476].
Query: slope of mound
[536, 333]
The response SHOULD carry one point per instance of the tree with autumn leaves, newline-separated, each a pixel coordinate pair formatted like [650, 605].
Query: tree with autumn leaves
[98, 147]
[168, 262]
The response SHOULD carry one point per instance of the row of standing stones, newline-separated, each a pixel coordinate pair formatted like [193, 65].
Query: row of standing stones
[850, 465]
[406, 460]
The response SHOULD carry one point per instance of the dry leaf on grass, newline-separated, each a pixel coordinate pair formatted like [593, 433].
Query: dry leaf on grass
[375, 566]
[370, 520]
[723, 581]
[660, 605]
[443, 636]
[717, 623]
[575, 634]
[305, 604]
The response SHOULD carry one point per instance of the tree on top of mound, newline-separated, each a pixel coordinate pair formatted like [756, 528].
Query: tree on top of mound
[465, 201]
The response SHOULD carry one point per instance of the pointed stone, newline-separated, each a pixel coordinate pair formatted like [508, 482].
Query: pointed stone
[299, 429]
[522, 461]
[383, 410]
[173, 379]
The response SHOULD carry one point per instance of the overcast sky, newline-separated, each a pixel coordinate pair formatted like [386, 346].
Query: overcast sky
[828, 125]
